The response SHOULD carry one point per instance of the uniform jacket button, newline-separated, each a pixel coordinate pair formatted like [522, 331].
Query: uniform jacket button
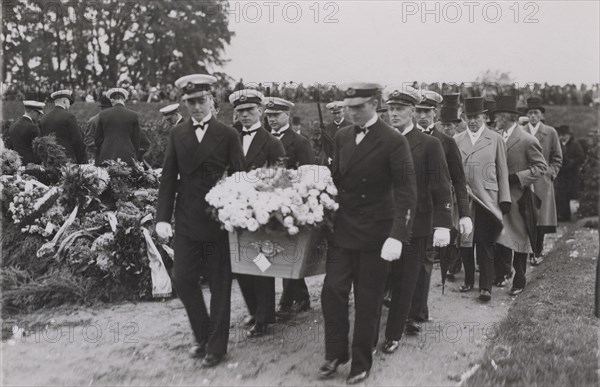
[363, 196]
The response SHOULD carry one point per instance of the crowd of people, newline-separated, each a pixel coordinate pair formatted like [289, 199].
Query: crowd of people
[422, 177]
[569, 94]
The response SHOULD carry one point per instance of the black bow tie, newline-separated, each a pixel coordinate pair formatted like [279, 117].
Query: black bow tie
[248, 132]
[277, 134]
[358, 130]
[201, 125]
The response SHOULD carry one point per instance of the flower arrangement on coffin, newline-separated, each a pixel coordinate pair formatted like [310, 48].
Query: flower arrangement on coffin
[276, 198]
[82, 183]
[274, 217]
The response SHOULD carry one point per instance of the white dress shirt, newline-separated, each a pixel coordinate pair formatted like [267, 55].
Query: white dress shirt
[474, 136]
[27, 115]
[201, 127]
[339, 123]
[506, 134]
[247, 140]
[426, 130]
[371, 122]
[279, 133]
[534, 129]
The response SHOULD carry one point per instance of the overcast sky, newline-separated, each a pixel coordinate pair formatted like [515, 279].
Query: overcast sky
[388, 41]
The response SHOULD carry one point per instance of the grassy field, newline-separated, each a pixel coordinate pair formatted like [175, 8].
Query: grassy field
[550, 336]
[581, 119]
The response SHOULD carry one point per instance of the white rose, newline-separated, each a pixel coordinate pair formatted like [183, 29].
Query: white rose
[252, 225]
[293, 230]
[332, 190]
[288, 221]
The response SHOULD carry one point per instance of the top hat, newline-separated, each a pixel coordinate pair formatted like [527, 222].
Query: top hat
[451, 100]
[490, 106]
[535, 103]
[563, 129]
[506, 104]
[474, 106]
[449, 114]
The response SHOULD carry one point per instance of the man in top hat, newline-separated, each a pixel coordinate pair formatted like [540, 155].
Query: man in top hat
[481, 149]
[449, 120]
[425, 114]
[490, 106]
[200, 150]
[373, 172]
[336, 108]
[90, 134]
[526, 165]
[260, 149]
[567, 181]
[171, 114]
[64, 126]
[118, 134]
[544, 187]
[22, 133]
[298, 151]
[410, 275]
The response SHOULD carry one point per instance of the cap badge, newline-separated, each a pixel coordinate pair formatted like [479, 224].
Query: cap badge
[190, 86]
[396, 93]
[243, 98]
[350, 92]
[270, 104]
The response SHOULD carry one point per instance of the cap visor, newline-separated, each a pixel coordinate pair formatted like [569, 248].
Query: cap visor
[245, 106]
[356, 101]
[196, 94]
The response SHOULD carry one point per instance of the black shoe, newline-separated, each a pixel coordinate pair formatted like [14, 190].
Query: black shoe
[284, 313]
[465, 288]
[211, 360]
[535, 261]
[257, 330]
[515, 292]
[485, 295]
[248, 321]
[329, 368]
[198, 351]
[450, 277]
[412, 328]
[358, 378]
[390, 346]
[303, 306]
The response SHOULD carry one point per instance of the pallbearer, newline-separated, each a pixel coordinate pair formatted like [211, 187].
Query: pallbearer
[298, 151]
[200, 150]
[260, 149]
[410, 275]
[372, 169]
[336, 108]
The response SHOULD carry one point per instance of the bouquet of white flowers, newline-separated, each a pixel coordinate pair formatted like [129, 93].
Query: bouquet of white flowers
[274, 198]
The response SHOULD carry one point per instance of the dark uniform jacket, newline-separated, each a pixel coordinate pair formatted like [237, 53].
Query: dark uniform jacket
[21, 135]
[377, 191]
[568, 177]
[199, 167]
[298, 150]
[264, 150]
[434, 192]
[332, 128]
[64, 126]
[118, 135]
[457, 172]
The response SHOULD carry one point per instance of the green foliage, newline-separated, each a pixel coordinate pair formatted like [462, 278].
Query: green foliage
[179, 35]
[158, 134]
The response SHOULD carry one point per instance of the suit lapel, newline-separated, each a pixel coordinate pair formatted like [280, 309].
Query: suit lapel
[259, 140]
[464, 144]
[367, 144]
[413, 138]
[484, 140]
[514, 138]
[288, 138]
[209, 143]
[347, 150]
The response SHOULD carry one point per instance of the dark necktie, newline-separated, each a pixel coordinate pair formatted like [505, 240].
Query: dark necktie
[277, 134]
[358, 130]
[201, 125]
[248, 132]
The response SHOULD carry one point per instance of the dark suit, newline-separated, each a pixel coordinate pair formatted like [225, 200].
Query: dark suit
[201, 245]
[21, 135]
[118, 135]
[567, 181]
[411, 274]
[331, 129]
[377, 198]
[258, 291]
[64, 126]
[298, 151]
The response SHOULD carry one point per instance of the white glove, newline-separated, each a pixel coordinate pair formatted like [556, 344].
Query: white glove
[465, 225]
[441, 237]
[164, 230]
[391, 250]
